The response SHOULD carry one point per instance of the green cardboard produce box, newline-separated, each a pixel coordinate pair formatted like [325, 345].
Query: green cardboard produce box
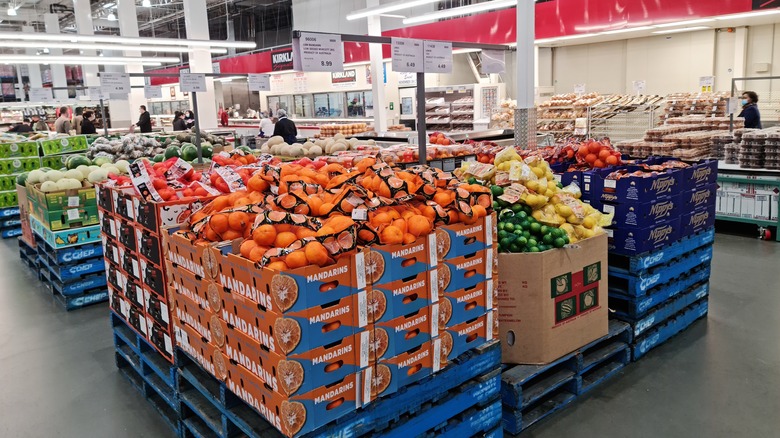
[12, 166]
[56, 220]
[7, 182]
[64, 145]
[62, 200]
[21, 149]
[9, 199]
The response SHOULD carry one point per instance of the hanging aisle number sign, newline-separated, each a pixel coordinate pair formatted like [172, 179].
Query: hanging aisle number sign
[438, 57]
[318, 52]
[408, 55]
[192, 82]
[115, 83]
[259, 82]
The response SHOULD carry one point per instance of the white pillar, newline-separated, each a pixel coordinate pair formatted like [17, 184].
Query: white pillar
[740, 57]
[125, 112]
[525, 116]
[377, 81]
[197, 24]
[34, 70]
[83, 15]
[58, 79]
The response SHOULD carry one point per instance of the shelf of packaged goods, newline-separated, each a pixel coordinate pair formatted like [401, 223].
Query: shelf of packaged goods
[462, 113]
[759, 176]
[566, 119]
[437, 122]
[437, 113]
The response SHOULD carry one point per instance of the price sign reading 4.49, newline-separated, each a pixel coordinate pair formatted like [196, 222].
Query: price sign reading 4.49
[408, 55]
[319, 52]
[438, 57]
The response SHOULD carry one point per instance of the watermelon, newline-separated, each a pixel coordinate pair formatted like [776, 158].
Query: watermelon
[21, 179]
[74, 161]
[207, 151]
[189, 152]
[159, 158]
[172, 151]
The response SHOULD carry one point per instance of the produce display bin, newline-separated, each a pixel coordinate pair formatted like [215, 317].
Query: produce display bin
[64, 145]
[20, 149]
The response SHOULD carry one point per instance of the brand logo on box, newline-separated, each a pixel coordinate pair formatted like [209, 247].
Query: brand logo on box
[334, 392]
[244, 360]
[592, 273]
[246, 291]
[407, 251]
[661, 233]
[408, 287]
[701, 174]
[468, 231]
[699, 218]
[78, 254]
[425, 352]
[662, 209]
[331, 355]
[702, 197]
[663, 185]
[408, 324]
[327, 274]
[329, 315]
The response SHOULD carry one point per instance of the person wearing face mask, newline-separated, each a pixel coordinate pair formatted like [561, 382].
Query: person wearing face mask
[750, 110]
[88, 123]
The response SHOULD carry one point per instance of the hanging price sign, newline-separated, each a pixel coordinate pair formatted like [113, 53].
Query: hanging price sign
[408, 55]
[318, 52]
[438, 57]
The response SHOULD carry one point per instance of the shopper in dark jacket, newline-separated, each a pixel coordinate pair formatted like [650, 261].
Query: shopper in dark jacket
[750, 110]
[145, 120]
[285, 128]
[21, 127]
[88, 123]
[179, 123]
[189, 119]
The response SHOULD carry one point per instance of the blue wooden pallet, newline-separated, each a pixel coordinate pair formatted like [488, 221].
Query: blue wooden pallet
[28, 255]
[641, 284]
[151, 365]
[78, 286]
[671, 327]
[67, 273]
[665, 311]
[88, 298]
[226, 411]
[497, 432]
[642, 262]
[476, 421]
[10, 223]
[532, 392]
[71, 254]
[9, 211]
[11, 232]
[629, 308]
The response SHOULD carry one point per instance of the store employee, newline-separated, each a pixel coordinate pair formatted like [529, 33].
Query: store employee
[750, 110]
[145, 120]
[286, 128]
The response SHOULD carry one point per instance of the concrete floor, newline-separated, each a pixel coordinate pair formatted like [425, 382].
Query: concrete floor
[721, 378]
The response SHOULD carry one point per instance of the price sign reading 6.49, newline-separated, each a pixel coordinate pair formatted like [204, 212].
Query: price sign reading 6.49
[438, 57]
[408, 55]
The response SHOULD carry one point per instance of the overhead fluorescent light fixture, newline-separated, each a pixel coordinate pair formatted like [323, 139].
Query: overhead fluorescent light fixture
[111, 17]
[87, 46]
[390, 7]
[111, 39]
[109, 5]
[11, 12]
[684, 29]
[88, 60]
[146, 3]
[463, 10]
[748, 14]
[685, 23]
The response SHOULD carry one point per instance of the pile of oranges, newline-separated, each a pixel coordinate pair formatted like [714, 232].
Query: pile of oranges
[294, 215]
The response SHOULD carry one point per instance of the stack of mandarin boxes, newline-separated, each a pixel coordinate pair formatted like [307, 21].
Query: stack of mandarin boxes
[132, 248]
[293, 345]
[466, 276]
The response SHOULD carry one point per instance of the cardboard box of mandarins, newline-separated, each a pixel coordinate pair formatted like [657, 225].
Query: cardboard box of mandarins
[465, 304]
[277, 292]
[401, 297]
[207, 355]
[461, 239]
[389, 263]
[465, 271]
[301, 413]
[459, 338]
[290, 331]
[394, 373]
[404, 333]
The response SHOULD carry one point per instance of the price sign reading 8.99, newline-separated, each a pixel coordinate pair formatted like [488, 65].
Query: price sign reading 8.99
[319, 52]
[408, 55]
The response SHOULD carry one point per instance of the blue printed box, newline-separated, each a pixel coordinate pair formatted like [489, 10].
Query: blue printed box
[630, 241]
[697, 220]
[595, 185]
[700, 173]
[700, 197]
[644, 214]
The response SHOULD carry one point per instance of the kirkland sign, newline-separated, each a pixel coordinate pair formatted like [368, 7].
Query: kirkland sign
[282, 59]
[343, 77]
